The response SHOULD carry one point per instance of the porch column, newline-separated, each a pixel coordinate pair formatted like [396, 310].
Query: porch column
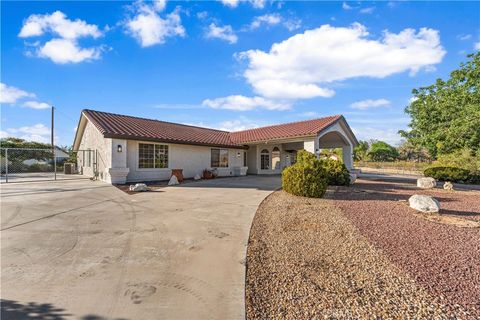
[347, 152]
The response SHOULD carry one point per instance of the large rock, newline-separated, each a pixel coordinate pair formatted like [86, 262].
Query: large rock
[424, 203]
[197, 177]
[448, 185]
[138, 187]
[173, 181]
[426, 183]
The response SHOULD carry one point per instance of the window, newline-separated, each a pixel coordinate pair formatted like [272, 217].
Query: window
[152, 156]
[276, 158]
[219, 158]
[244, 158]
[264, 160]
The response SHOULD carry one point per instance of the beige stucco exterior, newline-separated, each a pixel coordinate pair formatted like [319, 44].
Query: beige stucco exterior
[116, 160]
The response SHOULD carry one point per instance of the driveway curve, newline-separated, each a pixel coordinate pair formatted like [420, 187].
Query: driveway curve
[82, 249]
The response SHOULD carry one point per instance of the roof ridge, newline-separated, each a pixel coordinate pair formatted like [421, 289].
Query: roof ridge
[149, 119]
[290, 123]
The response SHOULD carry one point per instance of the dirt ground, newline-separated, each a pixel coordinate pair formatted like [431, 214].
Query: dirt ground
[361, 254]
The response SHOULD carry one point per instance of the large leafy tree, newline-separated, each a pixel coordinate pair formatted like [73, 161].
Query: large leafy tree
[446, 115]
[361, 150]
[382, 151]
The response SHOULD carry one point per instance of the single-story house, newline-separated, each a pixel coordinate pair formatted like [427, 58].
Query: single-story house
[118, 148]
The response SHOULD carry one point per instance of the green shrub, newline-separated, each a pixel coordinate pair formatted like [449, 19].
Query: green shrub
[453, 174]
[337, 173]
[306, 178]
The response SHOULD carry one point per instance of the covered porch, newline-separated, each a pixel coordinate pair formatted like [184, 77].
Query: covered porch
[272, 156]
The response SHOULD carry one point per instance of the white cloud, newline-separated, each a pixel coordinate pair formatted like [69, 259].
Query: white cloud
[476, 45]
[57, 23]
[149, 28]
[3, 134]
[242, 103]
[62, 51]
[266, 19]
[66, 48]
[159, 5]
[242, 123]
[11, 94]
[230, 3]
[390, 136]
[38, 132]
[367, 10]
[293, 24]
[369, 103]
[202, 15]
[257, 4]
[36, 105]
[345, 6]
[464, 37]
[224, 33]
[299, 68]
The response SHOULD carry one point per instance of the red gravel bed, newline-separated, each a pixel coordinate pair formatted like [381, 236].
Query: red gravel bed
[444, 259]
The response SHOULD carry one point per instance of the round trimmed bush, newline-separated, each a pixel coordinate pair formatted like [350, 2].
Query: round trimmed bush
[337, 173]
[447, 174]
[306, 178]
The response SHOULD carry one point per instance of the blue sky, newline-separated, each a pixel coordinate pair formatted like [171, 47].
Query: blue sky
[229, 65]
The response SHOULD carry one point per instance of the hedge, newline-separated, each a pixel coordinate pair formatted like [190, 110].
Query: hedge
[453, 174]
[305, 180]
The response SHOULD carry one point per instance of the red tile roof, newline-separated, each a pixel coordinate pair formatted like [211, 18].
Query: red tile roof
[284, 131]
[127, 127]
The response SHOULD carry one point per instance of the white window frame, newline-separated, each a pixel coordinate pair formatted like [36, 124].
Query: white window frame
[268, 154]
[152, 169]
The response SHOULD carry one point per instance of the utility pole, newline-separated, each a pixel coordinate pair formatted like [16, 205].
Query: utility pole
[53, 144]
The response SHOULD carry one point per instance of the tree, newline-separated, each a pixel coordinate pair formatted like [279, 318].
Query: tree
[360, 151]
[382, 151]
[410, 152]
[446, 115]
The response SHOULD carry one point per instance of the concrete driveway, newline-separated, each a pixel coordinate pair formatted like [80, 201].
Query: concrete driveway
[82, 249]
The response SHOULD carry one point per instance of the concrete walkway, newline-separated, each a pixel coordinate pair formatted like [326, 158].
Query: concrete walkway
[79, 248]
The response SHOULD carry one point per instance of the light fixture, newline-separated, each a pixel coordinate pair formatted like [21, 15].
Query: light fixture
[119, 148]
[238, 154]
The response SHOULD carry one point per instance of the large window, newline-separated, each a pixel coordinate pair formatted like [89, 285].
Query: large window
[245, 158]
[264, 160]
[219, 158]
[152, 156]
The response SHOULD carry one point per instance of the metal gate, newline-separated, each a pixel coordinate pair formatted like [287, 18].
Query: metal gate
[27, 164]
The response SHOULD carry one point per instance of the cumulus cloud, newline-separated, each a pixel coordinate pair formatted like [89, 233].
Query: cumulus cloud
[243, 103]
[242, 123]
[11, 95]
[390, 136]
[36, 105]
[38, 132]
[369, 103]
[299, 68]
[221, 32]
[148, 28]
[62, 51]
[65, 48]
[257, 4]
[266, 19]
[476, 45]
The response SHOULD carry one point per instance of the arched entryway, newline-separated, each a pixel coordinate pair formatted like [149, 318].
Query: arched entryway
[336, 139]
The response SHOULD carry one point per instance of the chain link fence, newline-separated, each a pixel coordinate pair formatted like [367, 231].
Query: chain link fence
[26, 164]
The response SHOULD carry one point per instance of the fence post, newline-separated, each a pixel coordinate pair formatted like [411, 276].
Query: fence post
[6, 165]
[55, 164]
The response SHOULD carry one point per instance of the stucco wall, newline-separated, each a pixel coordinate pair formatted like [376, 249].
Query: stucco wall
[192, 159]
[100, 152]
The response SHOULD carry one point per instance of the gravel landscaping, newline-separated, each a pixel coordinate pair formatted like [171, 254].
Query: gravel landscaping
[443, 259]
[306, 259]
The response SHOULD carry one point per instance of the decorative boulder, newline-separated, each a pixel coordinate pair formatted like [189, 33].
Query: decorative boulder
[353, 178]
[426, 183]
[197, 177]
[423, 203]
[138, 187]
[448, 185]
[173, 181]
